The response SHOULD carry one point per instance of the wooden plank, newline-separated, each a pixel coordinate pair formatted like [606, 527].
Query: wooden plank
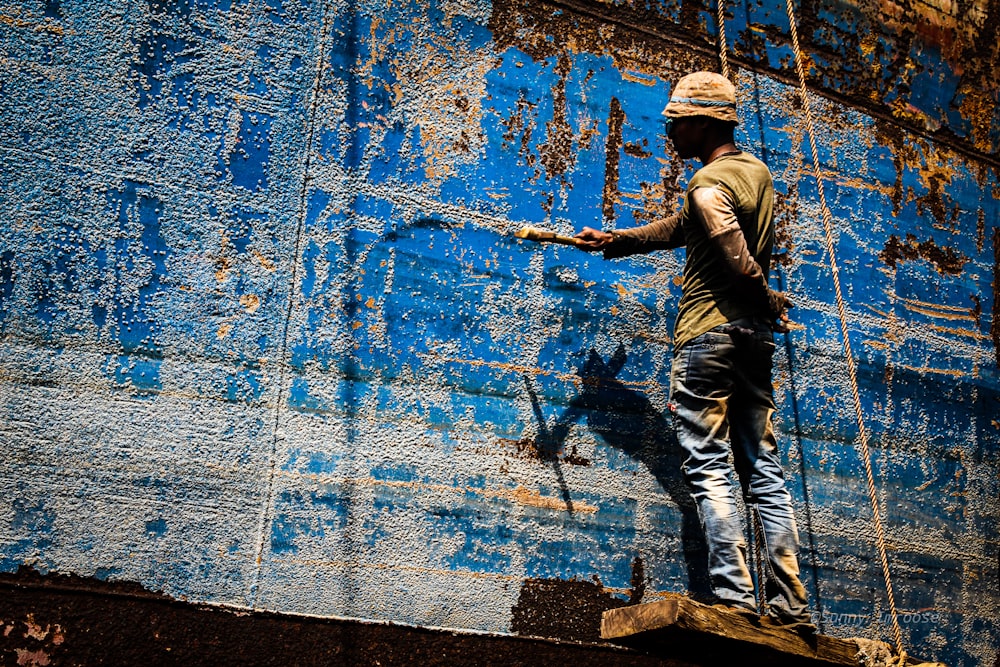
[684, 614]
[631, 620]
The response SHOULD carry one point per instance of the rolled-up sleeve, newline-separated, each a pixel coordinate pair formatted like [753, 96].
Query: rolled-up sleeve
[661, 234]
[715, 209]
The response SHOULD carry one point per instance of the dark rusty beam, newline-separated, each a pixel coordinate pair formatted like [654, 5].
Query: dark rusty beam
[640, 24]
[67, 620]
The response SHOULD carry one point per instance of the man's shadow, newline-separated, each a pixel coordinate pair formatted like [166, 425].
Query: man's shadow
[627, 420]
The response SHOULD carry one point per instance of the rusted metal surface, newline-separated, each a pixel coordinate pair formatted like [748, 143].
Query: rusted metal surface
[60, 620]
[267, 339]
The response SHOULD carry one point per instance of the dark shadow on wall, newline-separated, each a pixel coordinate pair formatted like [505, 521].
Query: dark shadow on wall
[626, 420]
[810, 532]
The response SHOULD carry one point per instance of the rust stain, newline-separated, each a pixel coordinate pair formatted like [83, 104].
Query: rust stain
[632, 35]
[946, 260]
[48, 27]
[934, 371]
[939, 310]
[616, 119]
[518, 128]
[661, 199]
[978, 106]
[530, 370]
[519, 495]
[557, 153]
[635, 38]
[498, 365]
[266, 263]
[634, 77]
[222, 266]
[36, 631]
[965, 33]
[528, 448]
[524, 496]
[934, 165]
[439, 84]
[936, 175]
[635, 149]
[995, 325]
[951, 331]
[250, 303]
[786, 212]
[882, 43]
[223, 263]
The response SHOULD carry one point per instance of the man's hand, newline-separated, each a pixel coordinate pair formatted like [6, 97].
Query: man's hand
[779, 303]
[594, 239]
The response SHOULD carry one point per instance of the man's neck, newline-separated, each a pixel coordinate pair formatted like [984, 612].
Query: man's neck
[709, 155]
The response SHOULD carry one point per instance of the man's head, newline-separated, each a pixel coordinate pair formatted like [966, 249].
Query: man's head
[703, 94]
[702, 108]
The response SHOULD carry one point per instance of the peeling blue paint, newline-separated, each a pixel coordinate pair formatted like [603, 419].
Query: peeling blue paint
[266, 334]
[156, 527]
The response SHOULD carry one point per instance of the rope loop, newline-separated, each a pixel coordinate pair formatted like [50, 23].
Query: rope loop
[852, 372]
[827, 219]
[723, 45]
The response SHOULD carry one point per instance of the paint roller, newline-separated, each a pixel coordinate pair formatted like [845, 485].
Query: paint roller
[542, 236]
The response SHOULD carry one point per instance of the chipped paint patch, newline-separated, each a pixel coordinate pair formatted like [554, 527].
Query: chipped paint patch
[945, 260]
[569, 610]
[31, 643]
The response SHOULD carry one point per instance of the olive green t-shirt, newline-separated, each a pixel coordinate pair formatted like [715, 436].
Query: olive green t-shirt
[709, 297]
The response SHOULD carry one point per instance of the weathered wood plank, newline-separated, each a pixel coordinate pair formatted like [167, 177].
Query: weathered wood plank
[688, 615]
[631, 620]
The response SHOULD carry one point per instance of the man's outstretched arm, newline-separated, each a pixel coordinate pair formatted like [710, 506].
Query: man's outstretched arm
[661, 234]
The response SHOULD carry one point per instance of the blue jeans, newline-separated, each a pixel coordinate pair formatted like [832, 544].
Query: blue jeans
[720, 387]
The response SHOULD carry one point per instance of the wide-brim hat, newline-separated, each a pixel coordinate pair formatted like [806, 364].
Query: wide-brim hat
[703, 94]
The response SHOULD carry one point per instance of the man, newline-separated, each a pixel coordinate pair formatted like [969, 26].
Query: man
[721, 378]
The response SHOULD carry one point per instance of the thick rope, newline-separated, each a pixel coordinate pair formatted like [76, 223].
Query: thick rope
[762, 565]
[842, 313]
[754, 523]
[723, 46]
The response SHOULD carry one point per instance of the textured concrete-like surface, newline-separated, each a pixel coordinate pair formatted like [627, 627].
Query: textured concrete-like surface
[267, 340]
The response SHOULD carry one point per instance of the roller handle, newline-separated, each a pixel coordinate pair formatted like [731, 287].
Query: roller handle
[542, 236]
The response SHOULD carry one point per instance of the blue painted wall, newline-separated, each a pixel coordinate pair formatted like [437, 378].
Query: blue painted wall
[267, 340]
